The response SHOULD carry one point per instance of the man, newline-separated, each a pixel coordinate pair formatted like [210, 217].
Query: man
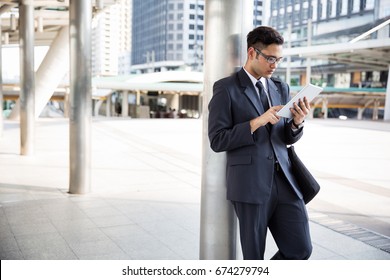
[243, 122]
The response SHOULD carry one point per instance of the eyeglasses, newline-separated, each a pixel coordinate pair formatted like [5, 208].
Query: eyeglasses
[270, 59]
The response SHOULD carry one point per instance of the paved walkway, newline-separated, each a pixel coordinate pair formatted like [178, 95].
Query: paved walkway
[145, 199]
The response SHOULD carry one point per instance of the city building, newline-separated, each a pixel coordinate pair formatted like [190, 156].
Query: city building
[331, 21]
[167, 35]
[111, 39]
[260, 12]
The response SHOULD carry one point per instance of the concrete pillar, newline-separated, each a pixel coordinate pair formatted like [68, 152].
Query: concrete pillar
[66, 102]
[27, 77]
[360, 113]
[52, 70]
[387, 101]
[125, 104]
[175, 101]
[375, 110]
[108, 105]
[80, 99]
[96, 107]
[325, 108]
[50, 73]
[138, 98]
[225, 21]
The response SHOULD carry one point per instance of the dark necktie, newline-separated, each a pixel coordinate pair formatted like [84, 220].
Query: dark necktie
[263, 95]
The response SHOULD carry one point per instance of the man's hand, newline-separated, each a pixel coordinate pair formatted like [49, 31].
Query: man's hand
[268, 117]
[300, 111]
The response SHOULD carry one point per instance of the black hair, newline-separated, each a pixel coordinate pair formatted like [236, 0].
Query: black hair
[263, 36]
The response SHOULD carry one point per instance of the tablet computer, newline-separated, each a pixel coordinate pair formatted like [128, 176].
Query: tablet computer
[310, 91]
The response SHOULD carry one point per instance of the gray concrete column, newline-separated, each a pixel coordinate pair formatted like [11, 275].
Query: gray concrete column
[27, 77]
[387, 100]
[50, 73]
[324, 109]
[138, 97]
[80, 99]
[108, 105]
[52, 70]
[375, 110]
[66, 102]
[360, 113]
[125, 104]
[227, 24]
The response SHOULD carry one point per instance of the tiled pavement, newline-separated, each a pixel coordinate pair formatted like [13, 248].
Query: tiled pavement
[145, 198]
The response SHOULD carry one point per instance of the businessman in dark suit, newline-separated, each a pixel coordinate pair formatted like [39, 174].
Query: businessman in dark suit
[243, 122]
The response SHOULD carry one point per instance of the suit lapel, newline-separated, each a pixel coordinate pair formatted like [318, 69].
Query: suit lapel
[274, 93]
[252, 96]
[251, 93]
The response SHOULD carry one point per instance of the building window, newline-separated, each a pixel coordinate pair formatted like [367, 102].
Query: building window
[192, 6]
[305, 14]
[192, 26]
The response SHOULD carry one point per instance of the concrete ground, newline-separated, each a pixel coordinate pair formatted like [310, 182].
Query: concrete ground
[145, 197]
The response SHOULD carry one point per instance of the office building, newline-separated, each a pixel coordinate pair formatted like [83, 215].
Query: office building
[332, 21]
[167, 35]
[111, 39]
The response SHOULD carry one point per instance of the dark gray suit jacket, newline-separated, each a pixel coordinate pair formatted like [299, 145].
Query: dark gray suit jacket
[250, 157]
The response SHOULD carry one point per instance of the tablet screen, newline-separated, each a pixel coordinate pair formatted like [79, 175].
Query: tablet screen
[310, 91]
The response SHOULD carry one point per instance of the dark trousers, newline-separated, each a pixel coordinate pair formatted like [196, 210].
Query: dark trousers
[286, 217]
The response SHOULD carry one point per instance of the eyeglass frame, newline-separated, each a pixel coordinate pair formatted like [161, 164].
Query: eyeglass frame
[269, 57]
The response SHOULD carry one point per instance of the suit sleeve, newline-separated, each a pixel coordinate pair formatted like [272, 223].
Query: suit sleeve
[224, 134]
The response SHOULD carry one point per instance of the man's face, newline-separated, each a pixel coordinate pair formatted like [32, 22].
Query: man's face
[263, 63]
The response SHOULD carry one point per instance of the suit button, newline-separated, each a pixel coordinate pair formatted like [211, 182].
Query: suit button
[270, 157]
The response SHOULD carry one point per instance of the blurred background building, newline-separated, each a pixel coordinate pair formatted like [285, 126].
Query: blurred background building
[132, 37]
[167, 35]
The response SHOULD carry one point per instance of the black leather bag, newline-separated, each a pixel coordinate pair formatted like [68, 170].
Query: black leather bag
[307, 183]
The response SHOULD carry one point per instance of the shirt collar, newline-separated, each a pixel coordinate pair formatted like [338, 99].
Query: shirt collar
[254, 80]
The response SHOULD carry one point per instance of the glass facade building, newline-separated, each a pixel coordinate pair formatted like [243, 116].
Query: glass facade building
[167, 35]
[332, 20]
